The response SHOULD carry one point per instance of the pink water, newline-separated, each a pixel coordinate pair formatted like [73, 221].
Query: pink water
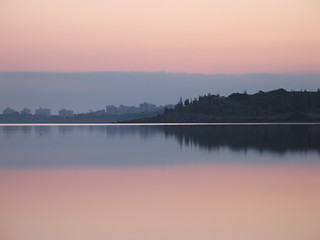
[195, 202]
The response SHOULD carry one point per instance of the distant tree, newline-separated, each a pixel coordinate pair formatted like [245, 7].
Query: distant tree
[43, 112]
[179, 104]
[65, 113]
[9, 111]
[26, 111]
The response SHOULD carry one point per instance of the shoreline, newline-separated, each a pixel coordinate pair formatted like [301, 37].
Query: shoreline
[155, 124]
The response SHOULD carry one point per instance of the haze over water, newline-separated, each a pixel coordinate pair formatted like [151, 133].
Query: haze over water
[160, 182]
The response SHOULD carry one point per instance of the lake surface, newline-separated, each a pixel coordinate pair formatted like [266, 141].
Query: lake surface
[228, 182]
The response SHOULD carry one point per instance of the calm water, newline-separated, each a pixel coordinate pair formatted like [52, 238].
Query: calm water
[160, 182]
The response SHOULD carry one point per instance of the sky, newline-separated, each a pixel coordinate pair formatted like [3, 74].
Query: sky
[84, 91]
[188, 36]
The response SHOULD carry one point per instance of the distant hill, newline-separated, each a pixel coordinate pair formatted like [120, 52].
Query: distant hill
[278, 105]
[94, 117]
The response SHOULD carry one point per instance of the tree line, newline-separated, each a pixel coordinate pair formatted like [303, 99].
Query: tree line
[262, 106]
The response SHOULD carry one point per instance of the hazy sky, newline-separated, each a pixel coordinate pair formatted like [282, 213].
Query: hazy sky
[207, 37]
[95, 90]
[198, 36]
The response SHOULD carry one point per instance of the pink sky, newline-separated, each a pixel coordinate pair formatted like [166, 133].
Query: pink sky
[204, 36]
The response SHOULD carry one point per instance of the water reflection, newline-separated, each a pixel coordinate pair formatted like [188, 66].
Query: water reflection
[42, 130]
[65, 130]
[160, 182]
[119, 146]
[274, 138]
[185, 202]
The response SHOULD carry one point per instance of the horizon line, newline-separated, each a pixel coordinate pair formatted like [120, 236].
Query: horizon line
[166, 72]
[155, 124]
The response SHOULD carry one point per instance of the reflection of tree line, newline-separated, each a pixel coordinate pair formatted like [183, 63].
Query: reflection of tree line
[109, 131]
[25, 130]
[270, 138]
